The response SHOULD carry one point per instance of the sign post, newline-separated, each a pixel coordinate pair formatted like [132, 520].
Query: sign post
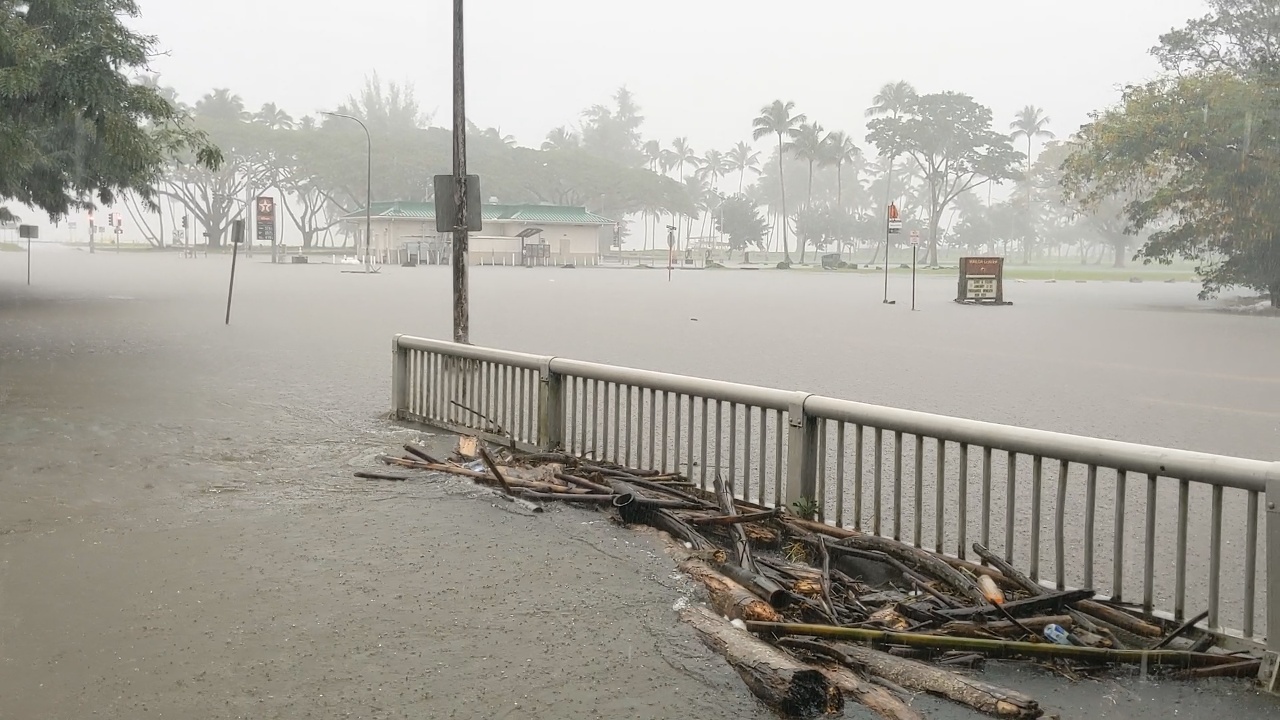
[915, 252]
[981, 281]
[266, 221]
[893, 226]
[28, 232]
[237, 237]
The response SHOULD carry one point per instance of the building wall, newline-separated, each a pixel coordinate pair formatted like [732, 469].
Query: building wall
[495, 244]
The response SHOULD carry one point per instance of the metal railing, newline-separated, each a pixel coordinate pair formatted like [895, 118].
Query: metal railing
[1181, 528]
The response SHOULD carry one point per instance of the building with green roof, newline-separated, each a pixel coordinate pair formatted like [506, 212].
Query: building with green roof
[511, 234]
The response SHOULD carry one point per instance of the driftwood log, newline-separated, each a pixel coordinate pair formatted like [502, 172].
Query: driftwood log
[777, 679]
[1004, 628]
[1119, 618]
[980, 696]
[875, 698]
[728, 597]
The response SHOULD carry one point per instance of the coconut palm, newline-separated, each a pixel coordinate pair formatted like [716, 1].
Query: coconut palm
[808, 145]
[840, 151]
[652, 150]
[561, 138]
[682, 152]
[714, 166]
[1030, 123]
[741, 159]
[221, 104]
[274, 118]
[776, 118]
[895, 100]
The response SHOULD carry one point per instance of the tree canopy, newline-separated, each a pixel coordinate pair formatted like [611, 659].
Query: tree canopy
[1197, 154]
[73, 126]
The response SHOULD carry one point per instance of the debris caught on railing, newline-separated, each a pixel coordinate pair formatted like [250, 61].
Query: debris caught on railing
[810, 615]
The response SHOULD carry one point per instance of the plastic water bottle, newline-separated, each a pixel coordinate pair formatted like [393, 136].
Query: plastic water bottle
[1055, 634]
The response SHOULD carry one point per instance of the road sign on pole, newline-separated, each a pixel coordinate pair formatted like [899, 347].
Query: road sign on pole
[915, 238]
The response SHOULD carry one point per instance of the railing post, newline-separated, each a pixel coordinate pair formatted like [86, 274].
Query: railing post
[399, 378]
[550, 407]
[1269, 675]
[802, 454]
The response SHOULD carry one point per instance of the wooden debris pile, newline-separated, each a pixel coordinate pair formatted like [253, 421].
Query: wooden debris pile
[811, 615]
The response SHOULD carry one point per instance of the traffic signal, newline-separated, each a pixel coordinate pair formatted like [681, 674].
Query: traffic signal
[111, 219]
[184, 222]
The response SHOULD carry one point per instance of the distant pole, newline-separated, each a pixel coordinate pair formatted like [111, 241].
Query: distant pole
[28, 260]
[461, 312]
[235, 249]
[915, 251]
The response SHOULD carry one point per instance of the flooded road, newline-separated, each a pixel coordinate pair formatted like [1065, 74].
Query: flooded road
[180, 535]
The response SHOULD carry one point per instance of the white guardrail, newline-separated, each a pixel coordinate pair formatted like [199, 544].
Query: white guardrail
[1115, 517]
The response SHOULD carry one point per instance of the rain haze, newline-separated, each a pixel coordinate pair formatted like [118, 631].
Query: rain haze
[976, 340]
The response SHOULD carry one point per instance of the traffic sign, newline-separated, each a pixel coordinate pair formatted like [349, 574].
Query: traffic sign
[915, 237]
[895, 227]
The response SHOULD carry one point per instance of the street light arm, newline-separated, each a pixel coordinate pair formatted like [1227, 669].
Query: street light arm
[368, 190]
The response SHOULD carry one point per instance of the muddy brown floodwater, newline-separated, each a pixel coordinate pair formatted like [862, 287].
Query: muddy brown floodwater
[180, 535]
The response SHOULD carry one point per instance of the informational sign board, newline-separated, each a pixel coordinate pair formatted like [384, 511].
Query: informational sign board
[895, 222]
[915, 237]
[981, 281]
[30, 232]
[266, 218]
[447, 210]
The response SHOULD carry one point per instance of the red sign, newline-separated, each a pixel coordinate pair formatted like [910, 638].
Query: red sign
[893, 211]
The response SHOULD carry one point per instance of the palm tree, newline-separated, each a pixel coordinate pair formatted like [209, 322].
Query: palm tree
[682, 152]
[1029, 123]
[840, 151]
[221, 104]
[274, 118]
[809, 145]
[561, 138]
[895, 100]
[776, 119]
[714, 166]
[652, 150]
[742, 158]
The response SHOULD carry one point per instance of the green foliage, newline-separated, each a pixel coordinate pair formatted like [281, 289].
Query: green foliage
[1196, 155]
[739, 219]
[73, 127]
[949, 138]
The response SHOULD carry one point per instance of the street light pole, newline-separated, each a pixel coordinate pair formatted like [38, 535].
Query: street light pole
[368, 188]
[461, 311]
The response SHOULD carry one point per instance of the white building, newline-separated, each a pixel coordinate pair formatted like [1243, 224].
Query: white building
[542, 234]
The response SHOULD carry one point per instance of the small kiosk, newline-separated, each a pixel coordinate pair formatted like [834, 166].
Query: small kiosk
[981, 281]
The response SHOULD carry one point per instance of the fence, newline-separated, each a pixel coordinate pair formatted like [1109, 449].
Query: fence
[1075, 511]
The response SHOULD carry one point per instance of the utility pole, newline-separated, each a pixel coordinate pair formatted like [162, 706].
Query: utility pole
[461, 311]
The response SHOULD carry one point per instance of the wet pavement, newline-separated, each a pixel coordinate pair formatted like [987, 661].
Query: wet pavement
[180, 534]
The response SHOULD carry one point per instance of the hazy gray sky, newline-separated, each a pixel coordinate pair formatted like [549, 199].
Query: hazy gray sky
[700, 68]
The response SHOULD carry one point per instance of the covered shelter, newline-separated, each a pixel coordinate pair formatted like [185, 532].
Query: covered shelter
[511, 234]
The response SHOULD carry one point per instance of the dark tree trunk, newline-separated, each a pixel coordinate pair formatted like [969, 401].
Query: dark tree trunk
[782, 184]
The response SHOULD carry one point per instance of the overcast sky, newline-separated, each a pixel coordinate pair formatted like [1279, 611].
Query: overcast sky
[699, 68]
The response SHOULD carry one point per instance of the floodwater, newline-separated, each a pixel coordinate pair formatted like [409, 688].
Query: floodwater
[180, 535]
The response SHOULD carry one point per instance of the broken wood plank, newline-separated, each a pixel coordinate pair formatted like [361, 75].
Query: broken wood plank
[1003, 628]
[1051, 602]
[917, 559]
[777, 679]
[380, 476]
[421, 453]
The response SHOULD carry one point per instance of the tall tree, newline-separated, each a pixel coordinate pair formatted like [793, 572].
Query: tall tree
[808, 146]
[561, 138]
[73, 127]
[221, 105]
[274, 118]
[741, 158]
[778, 118]
[949, 137]
[894, 100]
[840, 151]
[1030, 124]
